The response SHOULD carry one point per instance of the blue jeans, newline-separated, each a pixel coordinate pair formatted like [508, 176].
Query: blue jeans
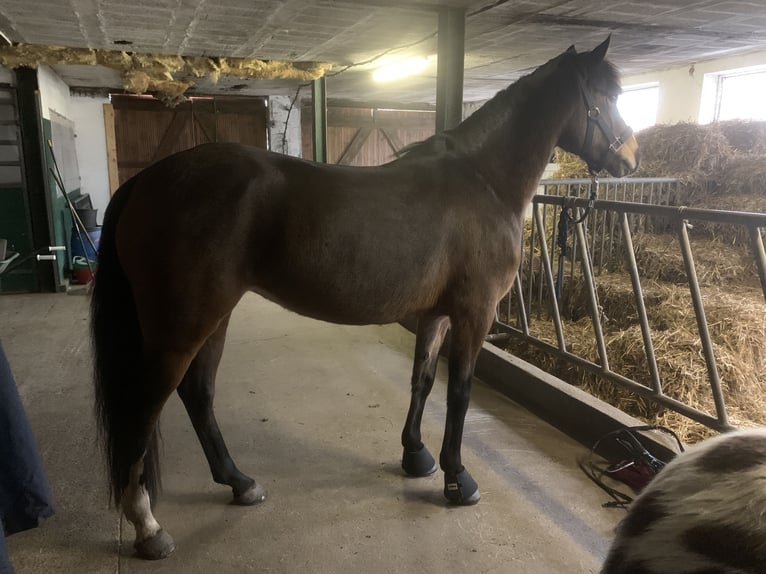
[25, 497]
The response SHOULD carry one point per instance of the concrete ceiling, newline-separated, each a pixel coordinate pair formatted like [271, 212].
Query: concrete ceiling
[504, 39]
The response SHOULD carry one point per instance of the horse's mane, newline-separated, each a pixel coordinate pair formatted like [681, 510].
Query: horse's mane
[438, 144]
[606, 79]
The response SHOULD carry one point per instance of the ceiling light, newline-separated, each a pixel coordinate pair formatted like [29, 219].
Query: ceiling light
[401, 69]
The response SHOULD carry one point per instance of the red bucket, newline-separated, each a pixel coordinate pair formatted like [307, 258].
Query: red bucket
[81, 273]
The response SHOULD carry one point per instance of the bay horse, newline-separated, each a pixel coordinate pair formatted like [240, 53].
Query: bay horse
[435, 234]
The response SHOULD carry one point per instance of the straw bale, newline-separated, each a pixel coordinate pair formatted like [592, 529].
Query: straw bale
[745, 136]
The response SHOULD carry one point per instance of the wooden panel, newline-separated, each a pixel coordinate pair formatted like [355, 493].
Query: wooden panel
[377, 151]
[145, 130]
[248, 129]
[389, 131]
[111, 149]
[139, 135]
[352, 150]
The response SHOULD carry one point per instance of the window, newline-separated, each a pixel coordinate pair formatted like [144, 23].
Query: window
[740, 96]
[734, 95]
[638, 105]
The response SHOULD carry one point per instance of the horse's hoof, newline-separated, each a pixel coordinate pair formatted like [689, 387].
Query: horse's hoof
[253, 495]
[461, 488]
[418, 463]
[159, 546]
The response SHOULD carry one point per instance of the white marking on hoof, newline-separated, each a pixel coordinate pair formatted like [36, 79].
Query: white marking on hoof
[137, 507]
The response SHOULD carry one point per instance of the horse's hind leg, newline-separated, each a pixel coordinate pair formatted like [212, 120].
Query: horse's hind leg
[197, 392]
[162, 371]
[416, 460]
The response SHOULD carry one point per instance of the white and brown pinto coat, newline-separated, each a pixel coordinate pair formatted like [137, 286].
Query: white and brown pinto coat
[705, 513]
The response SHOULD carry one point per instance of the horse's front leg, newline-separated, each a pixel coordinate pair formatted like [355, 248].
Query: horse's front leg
[467, 335]
[416, 460]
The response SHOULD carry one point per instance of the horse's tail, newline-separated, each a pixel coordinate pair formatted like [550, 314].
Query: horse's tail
[117, 348]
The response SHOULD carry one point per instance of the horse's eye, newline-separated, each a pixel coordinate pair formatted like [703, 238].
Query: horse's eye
[613, 99]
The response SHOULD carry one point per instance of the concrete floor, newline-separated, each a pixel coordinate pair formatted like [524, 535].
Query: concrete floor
[314, 412]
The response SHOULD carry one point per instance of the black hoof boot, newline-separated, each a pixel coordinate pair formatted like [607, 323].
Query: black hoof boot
[461, 488]
[418, 463]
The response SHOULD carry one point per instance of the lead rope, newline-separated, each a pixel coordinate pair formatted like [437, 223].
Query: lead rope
[565, 219]
[636, 458]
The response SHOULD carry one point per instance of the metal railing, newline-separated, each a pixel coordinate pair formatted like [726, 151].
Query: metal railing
[605, 236]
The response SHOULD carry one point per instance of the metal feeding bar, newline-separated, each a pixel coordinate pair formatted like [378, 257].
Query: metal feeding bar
[607, 232]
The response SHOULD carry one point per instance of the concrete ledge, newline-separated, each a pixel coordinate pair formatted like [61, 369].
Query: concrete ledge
[578, 414]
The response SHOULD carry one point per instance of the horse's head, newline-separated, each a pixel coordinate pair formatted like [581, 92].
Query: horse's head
[596, 131]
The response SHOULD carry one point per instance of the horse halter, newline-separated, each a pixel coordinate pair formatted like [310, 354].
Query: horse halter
[594, 117]
[615, 143]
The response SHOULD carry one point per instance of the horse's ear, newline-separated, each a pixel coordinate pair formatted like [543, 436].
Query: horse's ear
[571, 50]
[599, 52]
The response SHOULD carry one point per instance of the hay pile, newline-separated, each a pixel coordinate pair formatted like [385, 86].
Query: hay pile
[743, 174]
[736, 317]
[659, 258]
[745, 136]
[568, 165]
[721, 165]
[690, 152]
[737, 324]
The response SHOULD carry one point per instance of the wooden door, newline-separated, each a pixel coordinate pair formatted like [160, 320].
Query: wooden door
[145, 130]
[368, 136]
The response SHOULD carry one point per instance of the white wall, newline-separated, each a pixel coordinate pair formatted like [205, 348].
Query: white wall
[87, 113]
[278, 109]
[681, 88]
[54, 93]
[7, 76]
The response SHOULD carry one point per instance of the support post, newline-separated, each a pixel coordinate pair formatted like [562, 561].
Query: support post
[449, 68]
[319, 119]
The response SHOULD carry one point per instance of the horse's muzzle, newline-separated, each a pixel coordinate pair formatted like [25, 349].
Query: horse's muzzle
[628, 156]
